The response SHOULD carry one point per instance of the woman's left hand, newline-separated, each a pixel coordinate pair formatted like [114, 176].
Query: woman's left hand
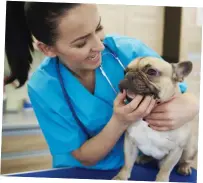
[173, 114]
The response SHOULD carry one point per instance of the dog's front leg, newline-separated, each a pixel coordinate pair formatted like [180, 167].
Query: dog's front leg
[131, 153]
[167, 164]
[188, 156]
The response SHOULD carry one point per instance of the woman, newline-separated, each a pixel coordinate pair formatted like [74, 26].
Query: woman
[72, 38]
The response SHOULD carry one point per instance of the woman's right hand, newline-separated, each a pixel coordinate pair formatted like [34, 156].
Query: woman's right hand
[126, 114]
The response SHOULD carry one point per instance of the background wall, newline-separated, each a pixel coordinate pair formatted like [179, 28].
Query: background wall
[142, 22]
[190, 46]
[191, 35]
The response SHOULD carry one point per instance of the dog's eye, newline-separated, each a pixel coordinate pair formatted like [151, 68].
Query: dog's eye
[153, 72]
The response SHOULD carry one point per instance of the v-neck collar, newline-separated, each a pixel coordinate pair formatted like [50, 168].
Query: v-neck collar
[84, 102]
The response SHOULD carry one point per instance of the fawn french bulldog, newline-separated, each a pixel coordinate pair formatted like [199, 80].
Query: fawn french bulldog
[153, 76]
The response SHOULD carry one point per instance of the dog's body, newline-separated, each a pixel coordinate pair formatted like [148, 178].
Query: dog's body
[170, 147]
[157, 144]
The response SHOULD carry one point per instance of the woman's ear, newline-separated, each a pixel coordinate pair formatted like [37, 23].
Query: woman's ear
[45, 49]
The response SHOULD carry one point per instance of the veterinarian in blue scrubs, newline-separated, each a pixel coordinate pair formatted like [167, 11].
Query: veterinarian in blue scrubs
[74, 91]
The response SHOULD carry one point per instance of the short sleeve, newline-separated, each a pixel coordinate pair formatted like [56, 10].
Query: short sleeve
[128, 48]
[183, 87]
[62, 134]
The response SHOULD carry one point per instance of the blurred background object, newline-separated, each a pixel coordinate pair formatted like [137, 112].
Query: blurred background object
[173, 32]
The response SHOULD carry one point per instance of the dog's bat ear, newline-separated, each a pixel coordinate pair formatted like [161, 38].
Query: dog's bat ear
[182, 70]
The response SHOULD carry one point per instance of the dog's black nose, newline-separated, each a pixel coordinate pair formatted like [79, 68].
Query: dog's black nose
[130, 76]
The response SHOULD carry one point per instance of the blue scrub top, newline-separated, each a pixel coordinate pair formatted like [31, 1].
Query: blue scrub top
[61, 131]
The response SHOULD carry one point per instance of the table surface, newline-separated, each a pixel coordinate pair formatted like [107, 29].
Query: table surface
[145, 172]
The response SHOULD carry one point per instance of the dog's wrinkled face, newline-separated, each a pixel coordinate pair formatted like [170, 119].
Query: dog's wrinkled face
[153, 76]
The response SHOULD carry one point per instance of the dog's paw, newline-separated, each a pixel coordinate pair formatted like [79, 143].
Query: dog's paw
[143, 159]
[162, 179]
[118, 177]
[122, 175]
[184, 169]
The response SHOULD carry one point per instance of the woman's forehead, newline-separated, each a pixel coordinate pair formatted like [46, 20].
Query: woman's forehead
[79, 21]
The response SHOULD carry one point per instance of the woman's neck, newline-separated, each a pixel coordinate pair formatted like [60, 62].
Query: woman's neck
[88, 80]
[86, 77]
[81, 74]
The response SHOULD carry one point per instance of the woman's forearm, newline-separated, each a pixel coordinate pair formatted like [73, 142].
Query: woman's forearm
[99, 146]
[193, 104]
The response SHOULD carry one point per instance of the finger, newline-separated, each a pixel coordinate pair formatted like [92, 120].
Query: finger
[157, 116]
[156, 104]
[160, 108]
[164, 128]
[133, 104]
[145, 104]
[151, 106]
[120, 99]
[160, 123]
[141, 109]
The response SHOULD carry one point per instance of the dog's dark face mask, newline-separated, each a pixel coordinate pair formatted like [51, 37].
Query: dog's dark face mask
[138, 82]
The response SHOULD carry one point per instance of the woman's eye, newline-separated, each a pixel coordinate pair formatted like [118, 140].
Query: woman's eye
[153, 72]
[81, 45]
[99, 28]
[84, 43]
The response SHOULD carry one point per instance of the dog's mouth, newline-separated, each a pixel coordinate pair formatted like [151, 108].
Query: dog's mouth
[130, 95]
[138, 86]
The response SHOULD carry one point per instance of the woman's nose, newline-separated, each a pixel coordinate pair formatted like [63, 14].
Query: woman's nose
[98, 44]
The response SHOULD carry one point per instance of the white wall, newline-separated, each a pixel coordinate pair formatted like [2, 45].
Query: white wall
[190, 47]
[142, 22]
[191, 34]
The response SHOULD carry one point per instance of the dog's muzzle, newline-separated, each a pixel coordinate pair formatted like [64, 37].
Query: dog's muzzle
[136, 83]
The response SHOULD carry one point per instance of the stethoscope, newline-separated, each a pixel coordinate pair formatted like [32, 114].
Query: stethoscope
[67, 97]
[104, 73]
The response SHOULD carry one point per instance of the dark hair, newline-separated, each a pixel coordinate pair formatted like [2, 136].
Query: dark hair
[24, 19]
